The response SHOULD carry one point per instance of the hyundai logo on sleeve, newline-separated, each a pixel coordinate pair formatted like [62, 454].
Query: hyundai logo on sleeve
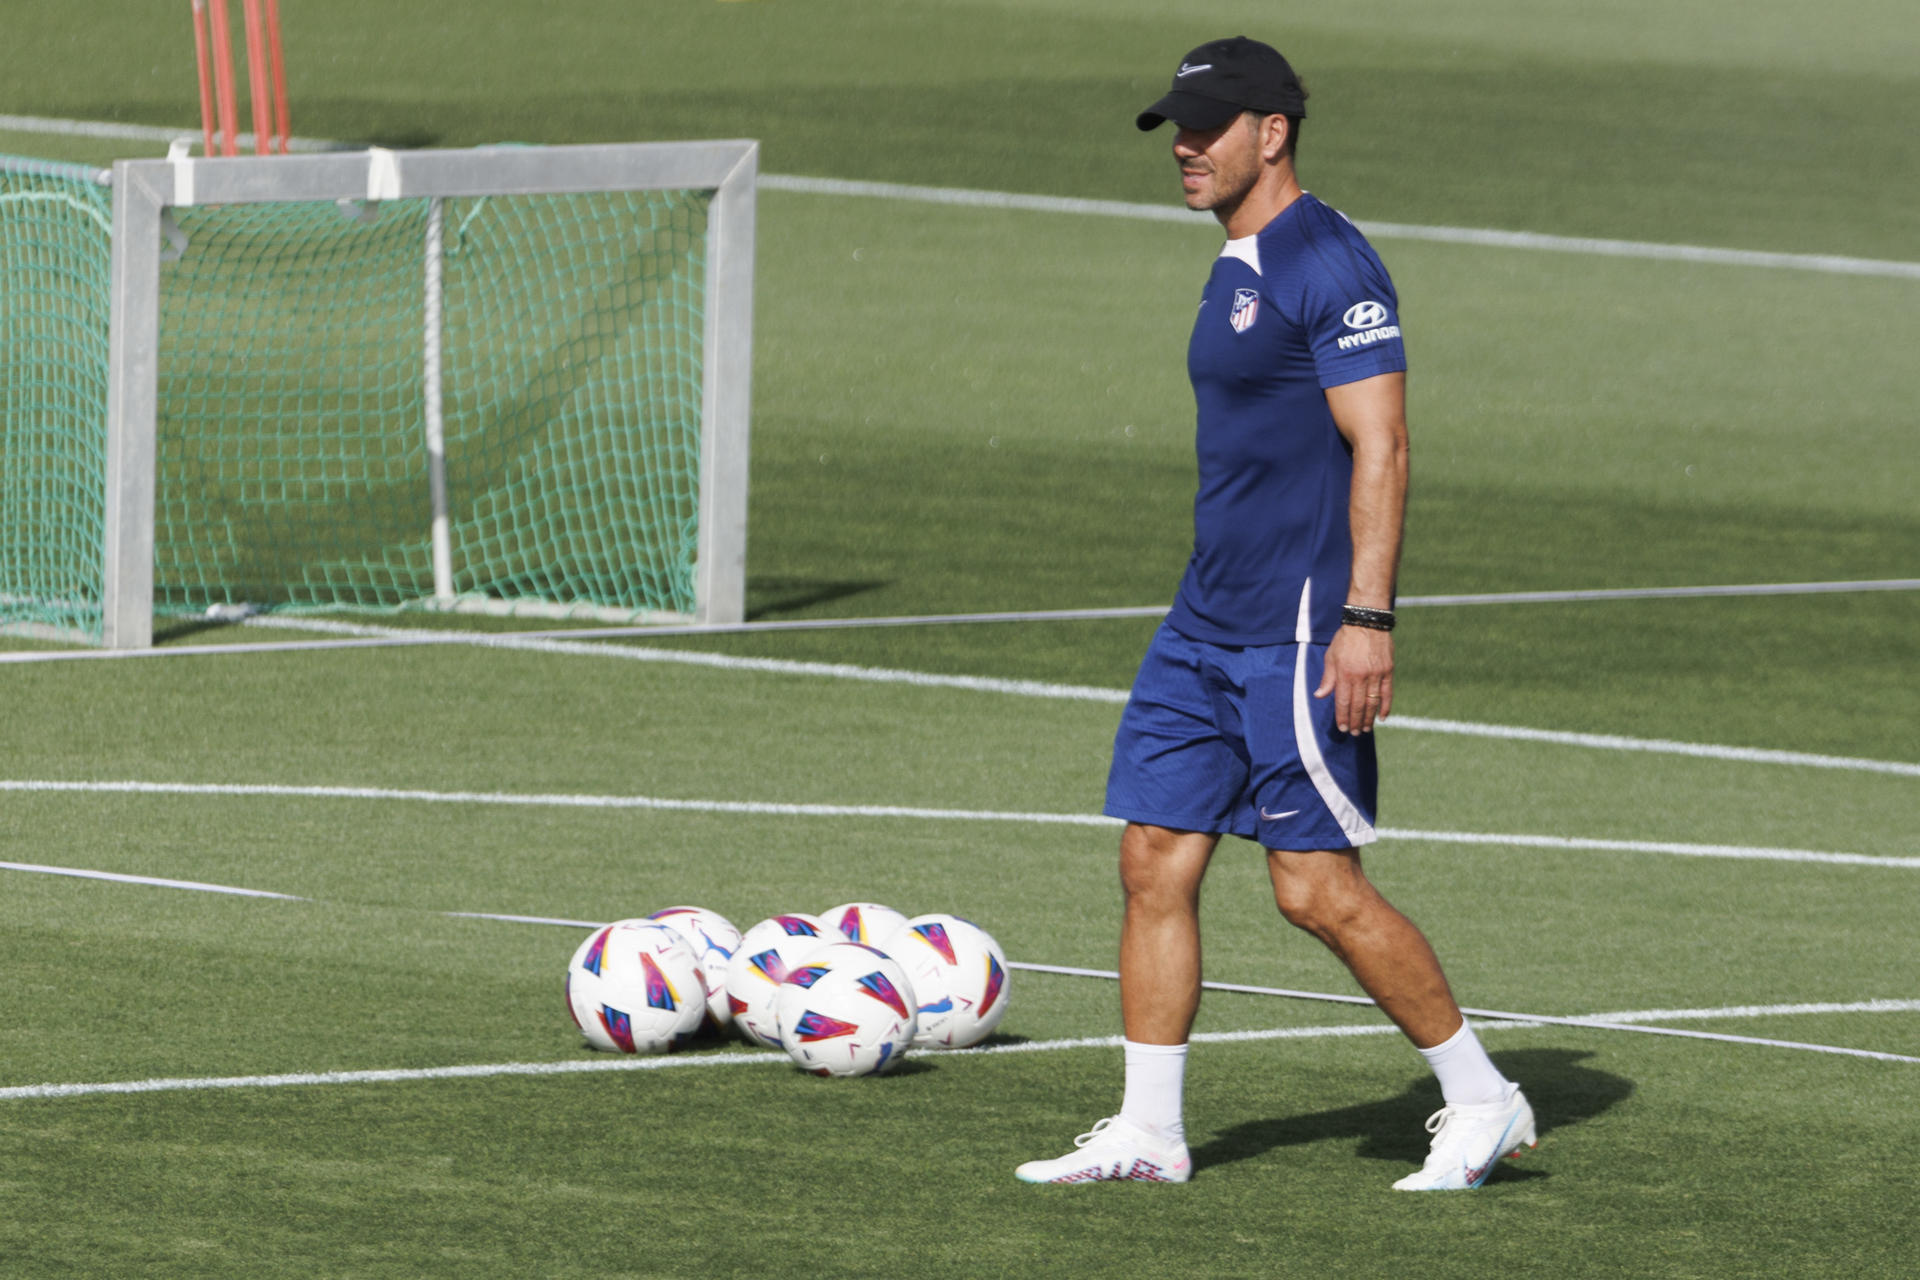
[1370, 318]
[1365, 315]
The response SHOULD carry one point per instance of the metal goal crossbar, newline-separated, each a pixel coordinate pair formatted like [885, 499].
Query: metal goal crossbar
[510, 379]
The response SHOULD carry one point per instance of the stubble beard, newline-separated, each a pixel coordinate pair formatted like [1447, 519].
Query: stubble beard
[1224, 190]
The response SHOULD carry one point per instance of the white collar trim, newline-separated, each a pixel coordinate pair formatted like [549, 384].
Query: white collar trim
[1247, 249]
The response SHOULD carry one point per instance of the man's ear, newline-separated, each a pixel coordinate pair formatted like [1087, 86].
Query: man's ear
[1273, 135]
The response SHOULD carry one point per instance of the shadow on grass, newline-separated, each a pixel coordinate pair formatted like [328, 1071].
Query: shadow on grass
[785, 595]
[183, 627]
[920, 1061]
[1562, 1090]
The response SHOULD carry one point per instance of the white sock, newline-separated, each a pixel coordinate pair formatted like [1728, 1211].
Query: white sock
[1156, 1079]
[1468, 1077]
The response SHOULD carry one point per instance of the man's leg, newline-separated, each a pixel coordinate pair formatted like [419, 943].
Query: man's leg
[1329, 896]
[1486, 1116]
[1160, 874]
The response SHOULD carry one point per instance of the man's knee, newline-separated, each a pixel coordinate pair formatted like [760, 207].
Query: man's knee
[1159, 866]
[1321, 893]
[1301, 904]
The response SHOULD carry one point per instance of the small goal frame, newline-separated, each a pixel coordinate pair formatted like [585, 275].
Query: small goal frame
[145, 190]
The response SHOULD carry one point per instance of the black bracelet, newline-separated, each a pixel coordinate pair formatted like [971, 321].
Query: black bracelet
[1354, 615]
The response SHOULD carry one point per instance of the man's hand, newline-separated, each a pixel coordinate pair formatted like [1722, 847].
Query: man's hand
[1359, 675]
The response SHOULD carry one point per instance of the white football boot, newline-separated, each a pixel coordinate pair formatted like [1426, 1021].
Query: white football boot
[1114, 1150]
[1468, 1141]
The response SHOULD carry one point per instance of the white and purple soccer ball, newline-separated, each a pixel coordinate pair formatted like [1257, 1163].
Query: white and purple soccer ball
[848, 1010]
[767, 953]
[714, 941]
[866, 922]
[635, 986]
[959, 974]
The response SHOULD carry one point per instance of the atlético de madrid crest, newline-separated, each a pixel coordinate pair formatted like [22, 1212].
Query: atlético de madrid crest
[1246, 309]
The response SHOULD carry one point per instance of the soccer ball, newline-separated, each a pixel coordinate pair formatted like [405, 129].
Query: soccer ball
[635, 987]
[866, 922]
[766, 954]
[960, 975]
[847, 1011]
[714, 941]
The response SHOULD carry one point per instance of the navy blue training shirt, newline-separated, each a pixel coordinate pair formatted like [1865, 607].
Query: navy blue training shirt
[1302, 305]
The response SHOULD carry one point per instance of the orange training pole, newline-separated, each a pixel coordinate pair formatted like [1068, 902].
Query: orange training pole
[282, 130]
[206, 77]
[257, 76]
[223, 79]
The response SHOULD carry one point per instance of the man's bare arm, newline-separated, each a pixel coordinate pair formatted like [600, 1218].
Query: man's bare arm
[1372, 416]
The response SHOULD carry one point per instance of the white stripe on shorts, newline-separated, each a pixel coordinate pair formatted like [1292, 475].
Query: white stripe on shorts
[1358, 830]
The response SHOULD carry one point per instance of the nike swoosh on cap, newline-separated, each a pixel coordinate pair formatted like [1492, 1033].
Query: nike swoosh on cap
[1186, 70]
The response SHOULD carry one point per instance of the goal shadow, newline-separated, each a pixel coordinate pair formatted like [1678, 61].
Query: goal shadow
[769, 597]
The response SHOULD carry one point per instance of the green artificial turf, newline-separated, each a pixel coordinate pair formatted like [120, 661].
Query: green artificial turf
[1762, 125]
[962, 410]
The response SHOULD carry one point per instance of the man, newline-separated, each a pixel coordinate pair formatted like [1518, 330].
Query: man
[1299, 375]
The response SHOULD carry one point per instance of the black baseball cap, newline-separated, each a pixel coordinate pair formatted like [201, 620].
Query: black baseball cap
[1222, 78]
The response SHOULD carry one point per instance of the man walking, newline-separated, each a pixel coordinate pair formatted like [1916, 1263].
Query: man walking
[1253, 711]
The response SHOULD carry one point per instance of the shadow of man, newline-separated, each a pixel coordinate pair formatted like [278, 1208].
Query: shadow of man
[1562, 1090]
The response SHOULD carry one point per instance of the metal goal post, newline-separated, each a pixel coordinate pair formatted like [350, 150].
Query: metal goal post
[585, 368]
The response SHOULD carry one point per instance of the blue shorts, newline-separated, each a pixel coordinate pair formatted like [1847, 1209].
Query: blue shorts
[1231, 740]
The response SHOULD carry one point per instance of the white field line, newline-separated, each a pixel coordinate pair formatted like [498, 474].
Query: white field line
[1631, 1016]
[1489, 239]
[1325, 997]
[1668, 593]
[1658, 746]
[19, 1093]
[367, 635]
[1514, 1022]
[557, 801]
[298, 1078]
[112, 130]
[1121, 612]
[758, 808]
[1684, 1034]
[399, 636]
[36, 1092]
[1479, 237]
[371, 634]
[157, 882]
[1675, 848]
[1761, 1011]
[1601, 1022]
[1629, 1021]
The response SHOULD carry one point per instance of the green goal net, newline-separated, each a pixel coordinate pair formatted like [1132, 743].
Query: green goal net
[496, 401]
[56, 243]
